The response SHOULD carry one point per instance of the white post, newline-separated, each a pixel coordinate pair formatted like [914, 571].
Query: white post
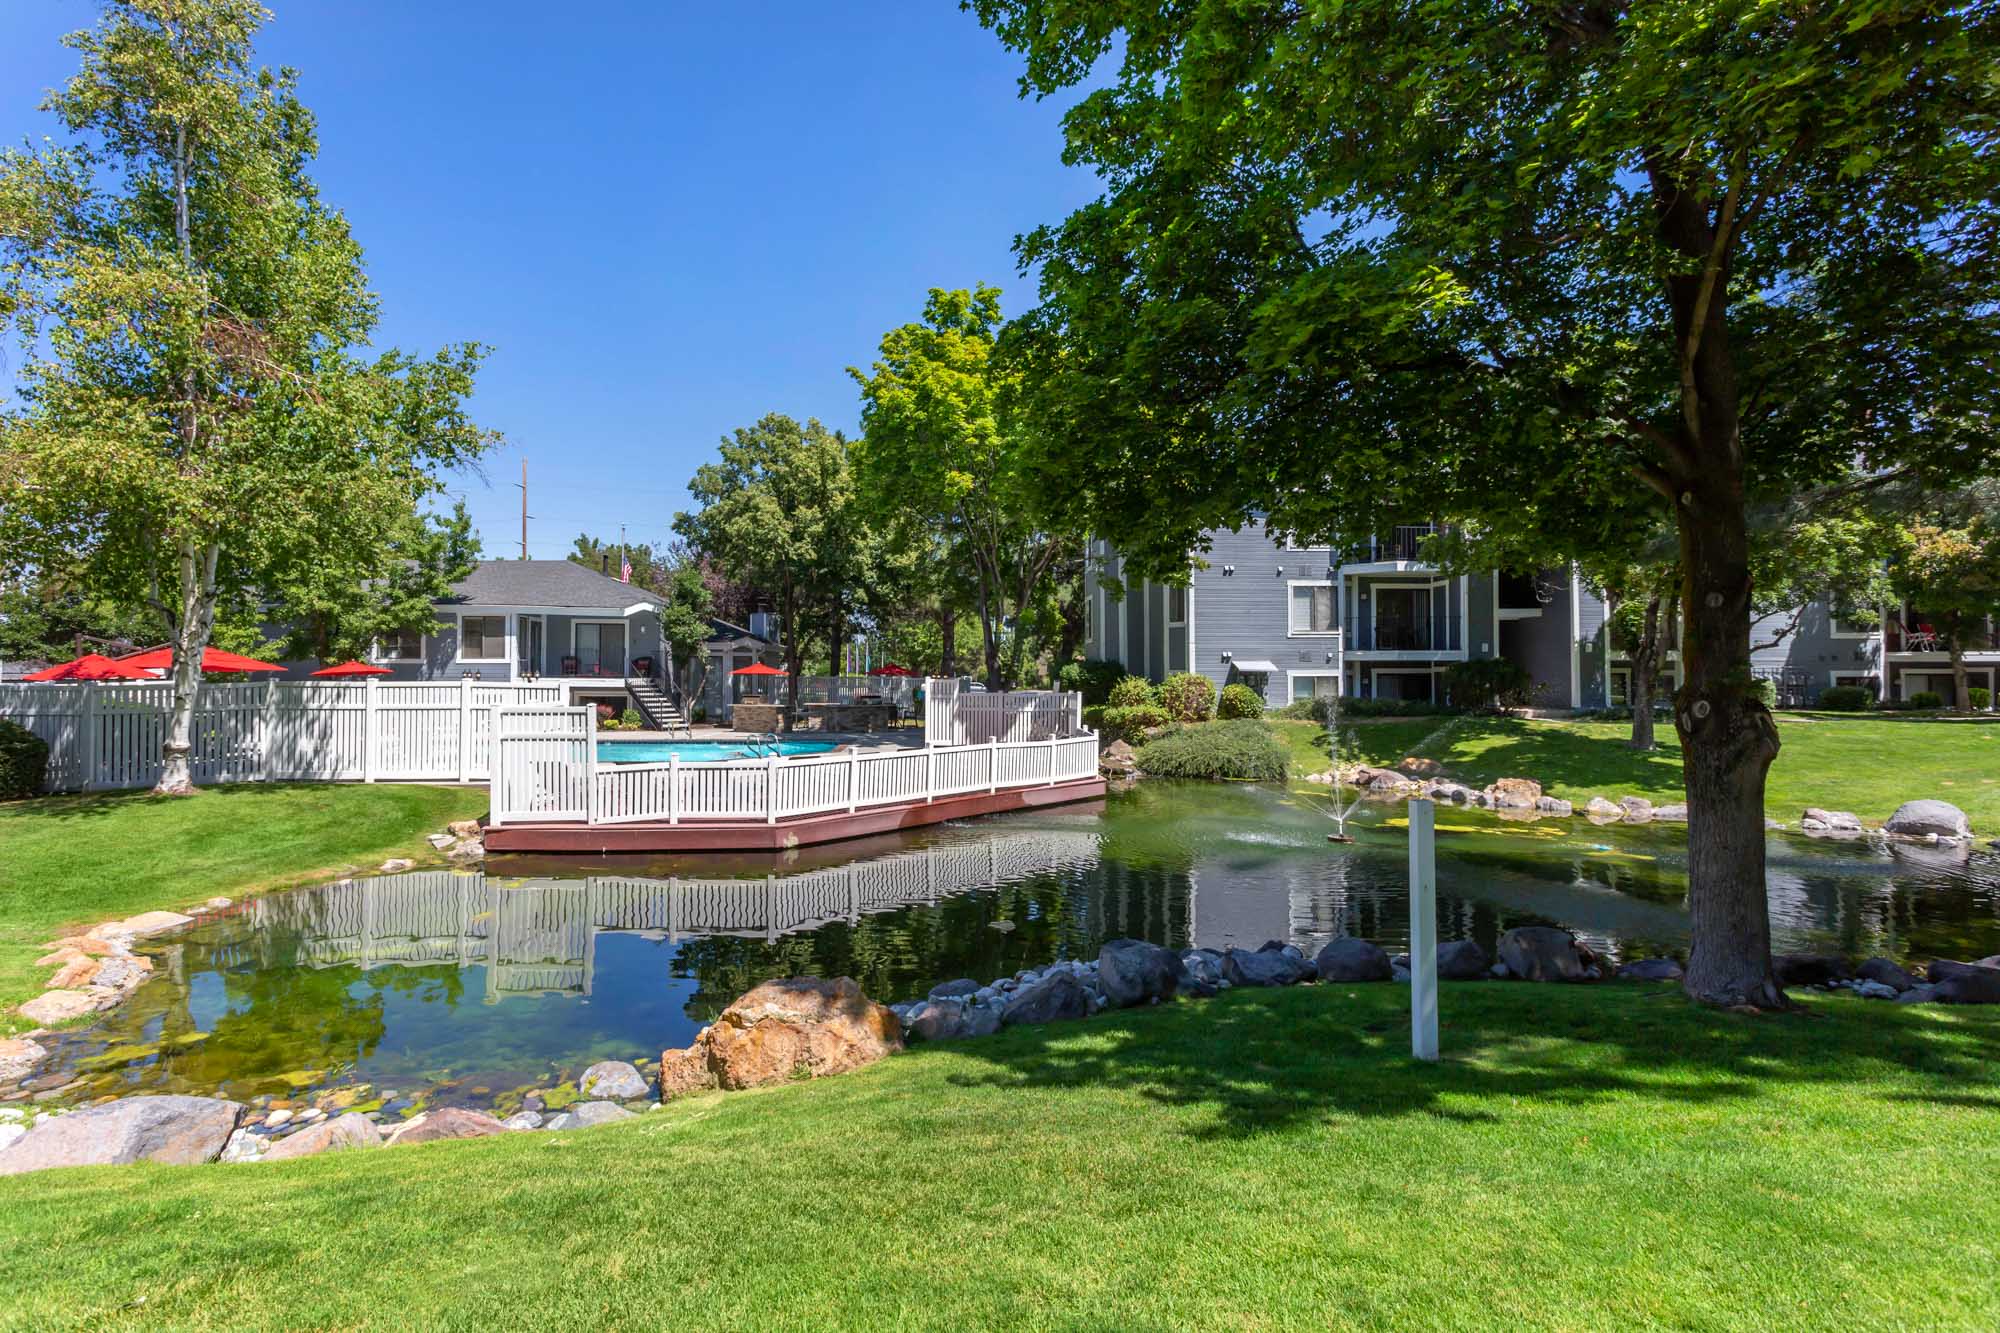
[465, 728]
[368, 730]
[673, 789]
[1423, 931]
[992, 767]
[771, 790]
[930, 774]
[496, 786]
[853, 780]
[1053, 742]
[589, 774]
[91, 727]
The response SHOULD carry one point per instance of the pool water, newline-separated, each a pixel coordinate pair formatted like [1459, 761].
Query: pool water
[468, 988]
[699, 752]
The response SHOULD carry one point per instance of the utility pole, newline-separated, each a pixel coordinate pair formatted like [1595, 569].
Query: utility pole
[524, 506]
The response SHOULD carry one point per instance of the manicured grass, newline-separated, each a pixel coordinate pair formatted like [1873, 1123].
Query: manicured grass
[1581, 1158]
[1867, 764]
[76, 861]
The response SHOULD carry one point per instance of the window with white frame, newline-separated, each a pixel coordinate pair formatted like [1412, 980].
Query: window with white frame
[401, 646]
[1177, 604]
[1851, 624]
[1312, 608]
[1314, 685]
[482, 638]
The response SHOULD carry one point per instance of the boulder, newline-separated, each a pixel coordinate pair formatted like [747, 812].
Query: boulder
[60, 1006]
[1369, 778]
[1601, 811]
[954, 990]
[449, 1122]
[1047, 999]
[1351, 959]
[936, 1020]
[352, 1130]
[1651, 969]
[1676, 813]
[78, 971]
[1419, 767]
[981, 1020]
[1134, 972]
[1873, 990]
[153, 923]
[612, 1079]
[1830, 821]
[1638, 810]
[1916, 819]
[1118, 759]
[1554, 805]
[1885, 972]
[797, 1027]
[1204, 972]
[1515, 793]
[523, 1120]
[464, 828]
[472, 849]
[1462, 960]
[1263, 967]
[1965, 983]
[586, 1114]
[18, 1058]
[396, 865]
[1918, 995]
[1455, 792]
[440, 840]
[173, 1129]
[1542, 953]
[1806, 969]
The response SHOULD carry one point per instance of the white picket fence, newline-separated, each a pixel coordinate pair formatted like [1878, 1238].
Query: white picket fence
[955, 715]
[106, 737]
[548, 773]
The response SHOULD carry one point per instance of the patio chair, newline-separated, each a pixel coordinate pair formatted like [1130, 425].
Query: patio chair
[1924, 639]
[643, 666]
[572, 666]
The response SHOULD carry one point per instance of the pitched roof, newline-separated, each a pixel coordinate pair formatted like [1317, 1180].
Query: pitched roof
[544, 583]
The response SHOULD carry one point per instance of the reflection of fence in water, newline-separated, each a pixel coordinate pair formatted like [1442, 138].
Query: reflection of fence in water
[540, 936]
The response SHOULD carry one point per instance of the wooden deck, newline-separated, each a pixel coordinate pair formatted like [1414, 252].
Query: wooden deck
[713, 835]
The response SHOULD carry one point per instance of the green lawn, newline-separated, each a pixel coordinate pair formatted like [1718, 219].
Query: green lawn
[68, 861]
[1867, 764]
[1582, 1158]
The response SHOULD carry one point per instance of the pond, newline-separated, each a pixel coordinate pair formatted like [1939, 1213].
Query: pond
[467, 988]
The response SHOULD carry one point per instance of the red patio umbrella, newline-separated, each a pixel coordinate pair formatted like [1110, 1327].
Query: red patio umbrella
[91, 666]
[758, 669]
[891, 669]
[354, 669]
[212, 659]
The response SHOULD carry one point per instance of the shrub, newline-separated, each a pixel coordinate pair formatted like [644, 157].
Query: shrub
[1765, 692]
[1927, 699]
[1188, 697]
[1845, 698]
[1979, 698]
[631, 720]
[24, 762]
[1131, 692]
[1239, 700]
[1240, 750]
[1130, 724]
[1093, 679]
[1492, 682]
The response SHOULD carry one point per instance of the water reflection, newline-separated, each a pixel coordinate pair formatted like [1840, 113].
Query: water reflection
[484, 983]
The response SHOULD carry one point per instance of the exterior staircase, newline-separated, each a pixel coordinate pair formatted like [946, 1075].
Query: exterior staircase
[656, 707]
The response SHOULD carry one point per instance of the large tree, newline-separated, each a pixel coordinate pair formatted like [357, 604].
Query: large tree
[1559, 267]
[948, 458]
[331, 614]
[199, 412]
[777, 510]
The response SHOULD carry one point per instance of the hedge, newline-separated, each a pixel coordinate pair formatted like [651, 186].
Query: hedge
[1242, 750]
[24, 762]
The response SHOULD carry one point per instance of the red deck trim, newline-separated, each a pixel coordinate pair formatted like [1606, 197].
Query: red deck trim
[722, 836]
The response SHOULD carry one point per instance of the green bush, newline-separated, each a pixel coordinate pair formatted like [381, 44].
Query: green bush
[1093, 679]
[1927, 699]
[631, 720]
[1130, 724]
[1845, 698]
[1131, 692]
[1239, 750]
[1765, 692]
[1980, 698]
[1490, 682]
[1321, 710]
[1239, 700]
[1188, 697]
[24, 762]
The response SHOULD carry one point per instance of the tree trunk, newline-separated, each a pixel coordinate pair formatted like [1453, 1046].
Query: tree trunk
[1727, 743]
[196, 621]
[948, 630]
[836, 629]
[1645, 674]
[1961, 687]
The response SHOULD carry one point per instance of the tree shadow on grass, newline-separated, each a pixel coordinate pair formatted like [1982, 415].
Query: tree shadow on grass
[1560, 758]
[1268, 1060]
[244, 798]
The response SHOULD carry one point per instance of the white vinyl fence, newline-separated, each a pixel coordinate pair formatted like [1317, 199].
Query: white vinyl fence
[105, 737]
[548, 773]
[955, 715]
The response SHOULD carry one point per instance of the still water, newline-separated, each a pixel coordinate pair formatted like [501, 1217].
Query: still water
[465, 986]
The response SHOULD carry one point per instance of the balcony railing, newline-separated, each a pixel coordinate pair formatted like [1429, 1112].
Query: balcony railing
[1919, 633]
[1403, 543]
[1435, 633]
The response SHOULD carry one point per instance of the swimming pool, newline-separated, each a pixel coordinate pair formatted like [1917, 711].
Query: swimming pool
[698, 752]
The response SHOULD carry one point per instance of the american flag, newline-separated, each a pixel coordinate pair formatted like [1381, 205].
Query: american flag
[625, 569]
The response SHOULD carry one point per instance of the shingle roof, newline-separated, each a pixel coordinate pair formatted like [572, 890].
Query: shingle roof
[544, 583]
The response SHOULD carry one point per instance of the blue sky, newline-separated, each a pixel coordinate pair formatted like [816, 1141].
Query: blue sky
[666, 219]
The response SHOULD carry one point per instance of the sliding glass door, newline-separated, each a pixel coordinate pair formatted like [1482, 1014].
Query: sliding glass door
[600, 647]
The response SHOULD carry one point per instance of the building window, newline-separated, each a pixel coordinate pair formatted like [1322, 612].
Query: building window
[482, 639]
[403, 646]
[1854, 624]
[1177, 604]
[1312, 609]
[1621, 687]
[1314, 685]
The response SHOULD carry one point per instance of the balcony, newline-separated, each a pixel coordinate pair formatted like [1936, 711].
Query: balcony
[1914, 631]
[1435, 633]
[1403, 545]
